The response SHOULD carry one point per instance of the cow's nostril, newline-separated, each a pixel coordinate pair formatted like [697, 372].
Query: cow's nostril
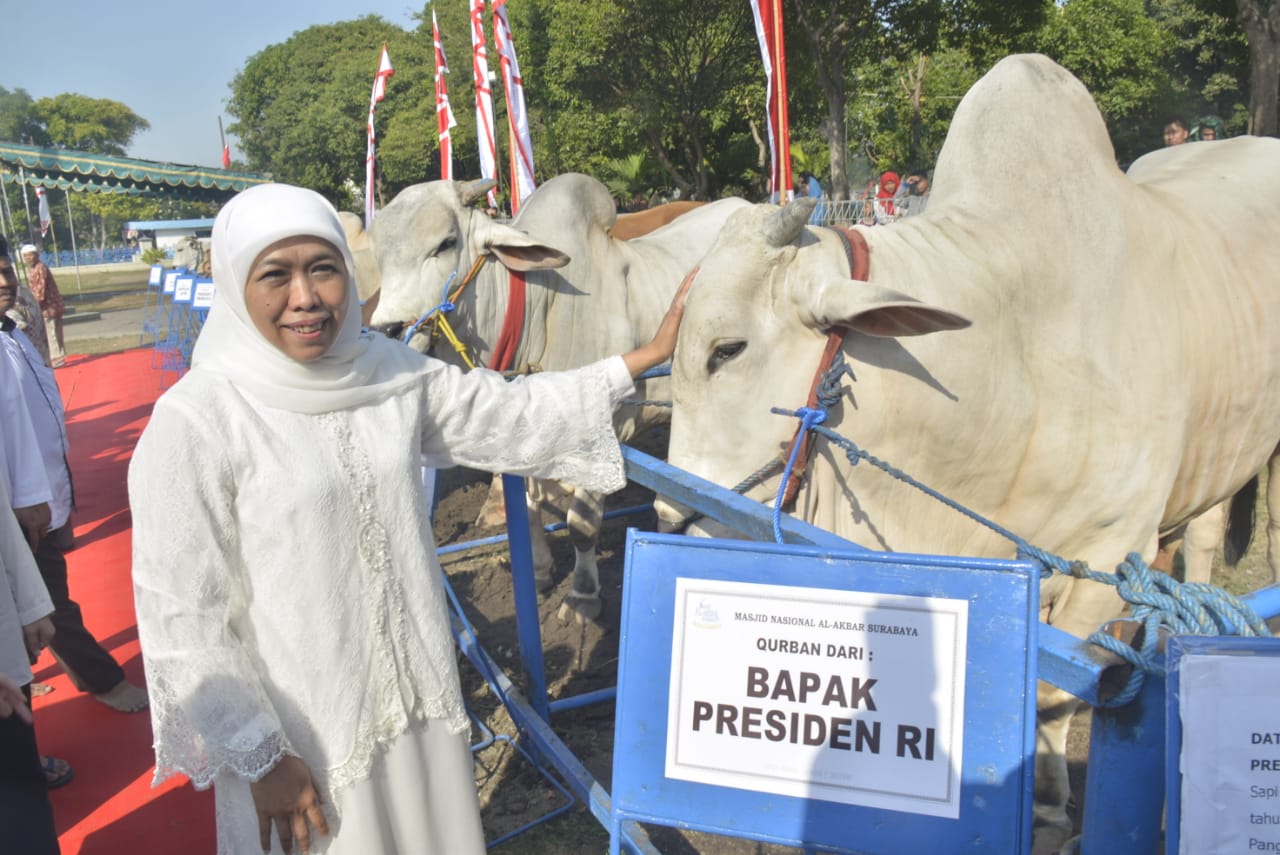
[391, 330]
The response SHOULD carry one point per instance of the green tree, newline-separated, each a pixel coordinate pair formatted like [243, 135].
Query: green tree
[672, 78]
[18, 120]
[1117, 51]
[97, 125]
[841, 36]
[1208, 63]
[301, 108]
[1261, 22]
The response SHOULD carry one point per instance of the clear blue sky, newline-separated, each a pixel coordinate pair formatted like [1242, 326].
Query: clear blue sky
[171, 63]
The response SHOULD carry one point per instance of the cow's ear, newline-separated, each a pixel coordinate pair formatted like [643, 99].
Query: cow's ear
[517, 251]
[875, 311]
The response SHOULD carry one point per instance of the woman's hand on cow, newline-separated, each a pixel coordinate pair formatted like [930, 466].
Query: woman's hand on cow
[287, 798]
[663, 344]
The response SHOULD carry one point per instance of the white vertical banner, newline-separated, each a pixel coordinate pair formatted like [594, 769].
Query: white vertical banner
[379, 91]
[521, 145]
[484, 99]
[46, 219]
[444, 113]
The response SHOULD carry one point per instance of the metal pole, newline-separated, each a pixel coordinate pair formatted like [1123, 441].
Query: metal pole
[75, 254]
[5, 216]
[26, 204]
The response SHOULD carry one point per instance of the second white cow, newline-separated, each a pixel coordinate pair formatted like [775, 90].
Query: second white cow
[586, 296]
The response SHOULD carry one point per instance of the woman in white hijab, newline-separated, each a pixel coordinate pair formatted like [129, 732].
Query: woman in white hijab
[291, 615]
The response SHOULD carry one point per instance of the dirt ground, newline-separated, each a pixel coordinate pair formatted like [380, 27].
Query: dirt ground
[584, 657]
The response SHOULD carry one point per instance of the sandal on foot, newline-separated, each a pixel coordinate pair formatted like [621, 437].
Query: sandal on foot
[57, 772]
[38, 689]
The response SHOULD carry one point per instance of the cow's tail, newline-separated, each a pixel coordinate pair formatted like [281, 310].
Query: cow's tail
[1240, 523]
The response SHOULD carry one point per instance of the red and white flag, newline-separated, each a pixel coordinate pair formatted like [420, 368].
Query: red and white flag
[521, 146]
[444, 113]
[226, 149]
[42, 204]
[484, 99]
[768, 17]
[379, 92]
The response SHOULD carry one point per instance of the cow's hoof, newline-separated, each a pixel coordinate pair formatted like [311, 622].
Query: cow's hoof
[544, 580]
[1052, 840]
[583, 608]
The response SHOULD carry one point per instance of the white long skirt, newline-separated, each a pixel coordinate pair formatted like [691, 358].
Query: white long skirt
[419, 799]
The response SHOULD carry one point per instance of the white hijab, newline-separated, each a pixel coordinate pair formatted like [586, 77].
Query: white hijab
[360, 367]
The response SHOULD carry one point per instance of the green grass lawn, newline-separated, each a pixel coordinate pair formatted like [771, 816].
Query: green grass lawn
[103, 288]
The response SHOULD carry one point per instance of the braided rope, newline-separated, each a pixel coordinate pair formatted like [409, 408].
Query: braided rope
[1156, 599]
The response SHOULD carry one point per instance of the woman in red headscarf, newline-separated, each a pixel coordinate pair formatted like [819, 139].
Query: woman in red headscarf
[885, 191]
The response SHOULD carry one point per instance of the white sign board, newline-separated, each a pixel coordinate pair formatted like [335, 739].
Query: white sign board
[203, 296]
[182, 289]
[1230, 756]
[170, 281]
[844, 696]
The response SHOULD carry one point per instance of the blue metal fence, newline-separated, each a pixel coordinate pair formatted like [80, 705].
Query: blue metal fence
[110, 255]
[1125, 794]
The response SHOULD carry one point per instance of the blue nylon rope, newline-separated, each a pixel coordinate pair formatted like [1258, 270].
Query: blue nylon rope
[1156, 599]
[445, 306]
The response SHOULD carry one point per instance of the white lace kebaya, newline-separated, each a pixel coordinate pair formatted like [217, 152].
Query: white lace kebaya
[287, 588]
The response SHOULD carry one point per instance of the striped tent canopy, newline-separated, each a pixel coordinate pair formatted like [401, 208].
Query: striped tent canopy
[83, 171]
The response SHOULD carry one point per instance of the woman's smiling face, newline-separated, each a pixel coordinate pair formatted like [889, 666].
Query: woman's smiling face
[297, 296]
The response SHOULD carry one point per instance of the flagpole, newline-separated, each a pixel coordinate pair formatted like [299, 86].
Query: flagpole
[40, 212]
[226, 150]
[5, 213]
[784, 124]
[379, 91]
[26, 204]
[75, 253]
[486, 138]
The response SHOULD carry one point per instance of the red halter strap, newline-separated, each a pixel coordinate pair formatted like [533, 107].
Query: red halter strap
[859, 256]
[504, 352]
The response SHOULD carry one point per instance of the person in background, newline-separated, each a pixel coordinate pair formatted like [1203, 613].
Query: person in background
[1209, 128]
[290, 608]
[917, 196]
[26, 817]
[26, 313]
[45, 288]
[90, 667]
[1176, 132]
[883, 209]
[813, 189]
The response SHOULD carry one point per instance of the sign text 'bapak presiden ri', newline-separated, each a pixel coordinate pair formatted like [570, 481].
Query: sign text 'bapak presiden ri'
[844, 696]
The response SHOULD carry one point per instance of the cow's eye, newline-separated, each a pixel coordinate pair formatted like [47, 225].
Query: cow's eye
[446, 245]
[723, 352]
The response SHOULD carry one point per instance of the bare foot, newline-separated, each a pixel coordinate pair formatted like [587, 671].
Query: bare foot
[125, 697]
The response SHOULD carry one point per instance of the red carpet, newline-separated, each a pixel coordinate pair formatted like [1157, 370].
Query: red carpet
[110, 807]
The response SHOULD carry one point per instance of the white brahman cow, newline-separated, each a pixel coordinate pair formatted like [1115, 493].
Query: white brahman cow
[1010, 348]
[587, 296]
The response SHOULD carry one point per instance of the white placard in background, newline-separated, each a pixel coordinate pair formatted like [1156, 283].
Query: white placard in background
[203, 296]
[171, 281]
[1230, 762]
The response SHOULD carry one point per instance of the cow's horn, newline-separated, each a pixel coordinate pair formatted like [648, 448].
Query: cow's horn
[785, 225]
[473, 190]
